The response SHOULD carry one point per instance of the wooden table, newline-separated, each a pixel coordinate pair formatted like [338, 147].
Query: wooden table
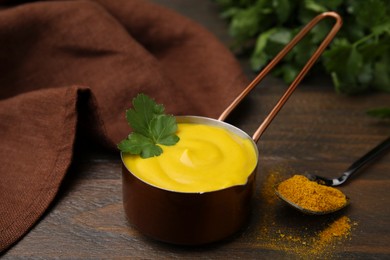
[317, 131]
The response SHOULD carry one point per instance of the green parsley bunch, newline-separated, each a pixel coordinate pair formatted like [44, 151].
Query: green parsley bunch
[358, 60]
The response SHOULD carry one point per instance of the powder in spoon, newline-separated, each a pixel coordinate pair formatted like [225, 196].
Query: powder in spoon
[310, 195]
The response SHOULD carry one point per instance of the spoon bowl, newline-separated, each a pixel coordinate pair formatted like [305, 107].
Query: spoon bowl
[308, 211]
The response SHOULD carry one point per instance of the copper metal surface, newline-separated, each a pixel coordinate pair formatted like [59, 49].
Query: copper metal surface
[188, 218]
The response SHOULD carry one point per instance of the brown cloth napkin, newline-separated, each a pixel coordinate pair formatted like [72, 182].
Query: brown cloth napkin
[59, 58]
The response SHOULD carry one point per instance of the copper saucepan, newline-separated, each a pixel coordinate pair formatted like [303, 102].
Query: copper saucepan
[204, 217]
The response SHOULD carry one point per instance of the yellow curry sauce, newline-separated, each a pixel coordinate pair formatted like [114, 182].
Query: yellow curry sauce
[207, 158]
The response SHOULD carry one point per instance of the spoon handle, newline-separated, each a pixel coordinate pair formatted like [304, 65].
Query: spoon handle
[368, 157]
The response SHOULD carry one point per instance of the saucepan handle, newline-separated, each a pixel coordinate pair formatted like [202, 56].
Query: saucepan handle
[336, 27]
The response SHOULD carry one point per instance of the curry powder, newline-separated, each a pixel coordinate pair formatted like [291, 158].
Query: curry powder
[298, 239]
[310, 195]
[340, 228]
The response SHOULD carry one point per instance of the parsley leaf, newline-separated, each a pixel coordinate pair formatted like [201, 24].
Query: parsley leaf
[150, 127]
[143, 112]
[163, 129]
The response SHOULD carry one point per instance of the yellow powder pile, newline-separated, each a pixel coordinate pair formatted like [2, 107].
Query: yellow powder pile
[318, 245]
[340, 228]
[310, 195]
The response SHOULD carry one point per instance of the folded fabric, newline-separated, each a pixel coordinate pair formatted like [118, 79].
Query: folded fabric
[59, 58]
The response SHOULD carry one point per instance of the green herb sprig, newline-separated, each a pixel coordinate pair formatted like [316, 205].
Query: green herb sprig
[151, 127]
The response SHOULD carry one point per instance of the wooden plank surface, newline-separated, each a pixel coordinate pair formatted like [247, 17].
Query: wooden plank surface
[317, 131]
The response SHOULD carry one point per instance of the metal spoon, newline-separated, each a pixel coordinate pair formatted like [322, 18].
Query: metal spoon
[368, 157]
